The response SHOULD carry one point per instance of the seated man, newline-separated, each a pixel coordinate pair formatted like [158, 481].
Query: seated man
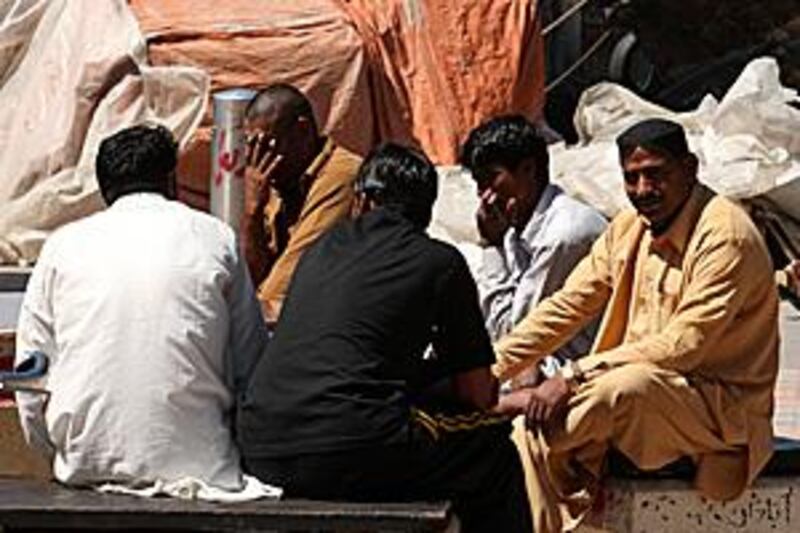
[333, 409]
[533, 233]
[686, 357]
[150, 323]
[297, 185]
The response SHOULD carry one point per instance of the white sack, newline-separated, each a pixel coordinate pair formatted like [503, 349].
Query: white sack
[748, 144]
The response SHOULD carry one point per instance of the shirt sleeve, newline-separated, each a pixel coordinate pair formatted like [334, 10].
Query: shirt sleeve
[550, 265]
[247, 336]
[329, 201]
[723, 273]
[36, 332]
[496, 288]
[460, 339]
[555, 320]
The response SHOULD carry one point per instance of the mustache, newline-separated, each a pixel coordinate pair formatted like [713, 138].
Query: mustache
[646, 199]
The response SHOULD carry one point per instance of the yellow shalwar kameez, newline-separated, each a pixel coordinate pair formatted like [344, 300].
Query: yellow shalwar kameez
[684, 363]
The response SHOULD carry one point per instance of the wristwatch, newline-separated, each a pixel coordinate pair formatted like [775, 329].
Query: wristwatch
[572, 374]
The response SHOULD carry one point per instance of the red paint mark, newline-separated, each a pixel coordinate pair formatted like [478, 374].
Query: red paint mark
[227, 162]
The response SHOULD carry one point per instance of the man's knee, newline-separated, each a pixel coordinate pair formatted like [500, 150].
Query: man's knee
[627, 383]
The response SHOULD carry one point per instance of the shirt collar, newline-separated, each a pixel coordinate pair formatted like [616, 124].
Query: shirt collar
[138, 199]
[680, 231]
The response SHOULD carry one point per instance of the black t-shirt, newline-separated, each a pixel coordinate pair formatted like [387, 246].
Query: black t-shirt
[346, 360]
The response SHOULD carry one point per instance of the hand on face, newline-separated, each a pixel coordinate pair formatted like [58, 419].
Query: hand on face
[492, 220]
[261, 163]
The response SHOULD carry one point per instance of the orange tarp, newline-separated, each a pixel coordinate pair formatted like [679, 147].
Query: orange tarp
[415, 71]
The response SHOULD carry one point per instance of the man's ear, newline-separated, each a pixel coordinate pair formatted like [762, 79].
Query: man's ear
[362, 204]
[691, 164]
[527, 168]
[306, 126]
[171, 191]
[357, 207]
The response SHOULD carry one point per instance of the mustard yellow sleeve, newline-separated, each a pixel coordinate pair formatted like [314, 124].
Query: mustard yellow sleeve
[329, 201]
[727, 274]
[558, 318]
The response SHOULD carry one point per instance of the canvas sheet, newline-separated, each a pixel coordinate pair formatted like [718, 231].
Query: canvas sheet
[420, 72]
[71, 73]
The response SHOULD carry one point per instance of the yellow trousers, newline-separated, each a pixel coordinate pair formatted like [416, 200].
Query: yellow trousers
[653, 416]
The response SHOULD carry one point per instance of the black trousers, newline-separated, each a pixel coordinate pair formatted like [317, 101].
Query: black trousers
[477, 469]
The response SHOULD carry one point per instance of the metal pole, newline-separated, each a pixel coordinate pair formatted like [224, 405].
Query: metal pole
[228, 155]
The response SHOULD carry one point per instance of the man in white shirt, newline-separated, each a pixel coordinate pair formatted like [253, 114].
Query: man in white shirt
[533, 233]
[151, 325]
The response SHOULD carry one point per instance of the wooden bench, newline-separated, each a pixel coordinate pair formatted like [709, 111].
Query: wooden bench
[42, 507]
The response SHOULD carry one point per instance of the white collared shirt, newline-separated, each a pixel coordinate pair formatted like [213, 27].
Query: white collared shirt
[533, 264]
[150, 322]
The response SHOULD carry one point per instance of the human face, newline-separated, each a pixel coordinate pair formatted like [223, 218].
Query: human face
[658, 185]
[513, 194]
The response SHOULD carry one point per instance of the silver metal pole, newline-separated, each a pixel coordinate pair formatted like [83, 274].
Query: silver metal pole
[228, 155]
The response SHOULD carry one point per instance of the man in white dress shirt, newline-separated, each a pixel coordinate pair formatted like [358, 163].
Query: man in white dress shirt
[151, 325]
[533, 233]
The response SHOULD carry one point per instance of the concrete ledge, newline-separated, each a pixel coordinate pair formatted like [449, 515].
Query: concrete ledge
[668, 506]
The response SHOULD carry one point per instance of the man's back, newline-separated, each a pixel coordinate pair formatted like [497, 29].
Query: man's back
[134, 307]
[346, 359]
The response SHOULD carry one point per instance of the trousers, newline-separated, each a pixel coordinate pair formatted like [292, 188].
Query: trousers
[652, 415]
[478, 470]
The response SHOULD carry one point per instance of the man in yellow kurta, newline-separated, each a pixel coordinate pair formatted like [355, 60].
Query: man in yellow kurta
[298, 184]
[686, 358]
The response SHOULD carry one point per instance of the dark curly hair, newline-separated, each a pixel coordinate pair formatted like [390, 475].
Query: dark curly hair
[400, 179]
[137, 159]
[504, 141]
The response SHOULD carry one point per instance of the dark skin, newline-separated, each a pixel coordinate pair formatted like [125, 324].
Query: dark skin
[508, 198]
[658, 185]
[538, 404]
[279, 150]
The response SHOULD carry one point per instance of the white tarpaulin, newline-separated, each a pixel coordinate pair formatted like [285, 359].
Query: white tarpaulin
[71, 73]
[748, 144]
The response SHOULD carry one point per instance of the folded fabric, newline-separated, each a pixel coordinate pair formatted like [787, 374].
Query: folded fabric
[189, 488]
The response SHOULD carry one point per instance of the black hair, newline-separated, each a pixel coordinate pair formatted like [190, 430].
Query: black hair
[655, 134]
[137, 159]
[291, 103]
[504, 141]
[400, 179]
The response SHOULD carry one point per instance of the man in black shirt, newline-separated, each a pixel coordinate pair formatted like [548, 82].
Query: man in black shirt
[336, 409]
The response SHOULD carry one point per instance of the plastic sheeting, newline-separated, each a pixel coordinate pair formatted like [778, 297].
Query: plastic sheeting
[748, 144]
[422, 72]
[71, 73]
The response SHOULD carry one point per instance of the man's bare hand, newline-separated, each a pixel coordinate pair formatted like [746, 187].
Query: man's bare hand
[261, 163]
[513, 403]
[492, 223]
[546, 401]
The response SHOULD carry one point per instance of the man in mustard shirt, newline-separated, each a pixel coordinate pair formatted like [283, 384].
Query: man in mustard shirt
[298, 184]
[685, 362]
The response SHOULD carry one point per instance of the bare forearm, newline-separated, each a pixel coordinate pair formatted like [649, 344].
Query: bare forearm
[255, 245]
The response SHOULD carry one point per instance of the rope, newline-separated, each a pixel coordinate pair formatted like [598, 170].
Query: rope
[563, 17]
[581, 60]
